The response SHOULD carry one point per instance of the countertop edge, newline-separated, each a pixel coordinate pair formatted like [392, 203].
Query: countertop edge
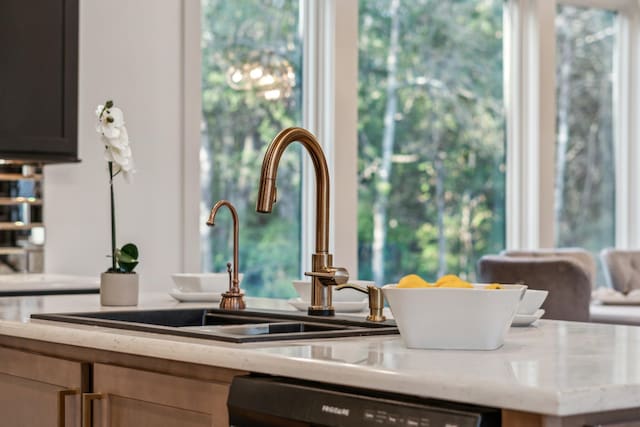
[243, 357]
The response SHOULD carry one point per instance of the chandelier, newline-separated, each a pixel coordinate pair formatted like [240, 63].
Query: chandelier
[266, 73]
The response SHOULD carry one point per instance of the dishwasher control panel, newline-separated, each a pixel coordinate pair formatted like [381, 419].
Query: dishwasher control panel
[276, 401]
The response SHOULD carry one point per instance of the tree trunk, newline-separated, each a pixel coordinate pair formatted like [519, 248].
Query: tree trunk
[588, 200]
[466, 238]
[384, 173]
[442, 241]
[564, 106]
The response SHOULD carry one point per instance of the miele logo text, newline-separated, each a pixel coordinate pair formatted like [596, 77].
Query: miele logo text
[335, 410]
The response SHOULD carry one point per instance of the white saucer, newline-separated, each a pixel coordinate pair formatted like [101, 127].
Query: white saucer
[195, 296]
[339, 306]
[527, 319]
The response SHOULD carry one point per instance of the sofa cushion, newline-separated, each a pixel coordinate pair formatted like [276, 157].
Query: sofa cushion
[622, 269]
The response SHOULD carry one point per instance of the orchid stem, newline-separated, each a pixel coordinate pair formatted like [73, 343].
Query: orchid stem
[113, 220]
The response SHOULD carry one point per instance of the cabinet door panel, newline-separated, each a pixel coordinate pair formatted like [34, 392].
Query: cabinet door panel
[128, 412]
[32, 387]
[27, 403]
[142, 398]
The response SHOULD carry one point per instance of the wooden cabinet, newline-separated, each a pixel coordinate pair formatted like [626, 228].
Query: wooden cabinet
[40, 391]
[39, 80]
[132, 397]
[105, 389]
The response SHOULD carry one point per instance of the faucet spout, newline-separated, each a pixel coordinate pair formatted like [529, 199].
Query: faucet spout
[267, 191]
[323, 274]
[233, 298]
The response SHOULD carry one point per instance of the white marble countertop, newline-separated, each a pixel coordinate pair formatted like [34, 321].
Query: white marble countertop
[555, 368]
[46, 283]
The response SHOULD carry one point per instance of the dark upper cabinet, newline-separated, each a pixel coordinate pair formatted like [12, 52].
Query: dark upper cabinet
[39, 80]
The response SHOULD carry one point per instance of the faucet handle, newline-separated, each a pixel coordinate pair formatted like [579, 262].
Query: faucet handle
[330, 276]
[230, 272]
[376, 300]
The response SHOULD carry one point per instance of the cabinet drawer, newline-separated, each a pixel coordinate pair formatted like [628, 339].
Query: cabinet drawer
[142, 398]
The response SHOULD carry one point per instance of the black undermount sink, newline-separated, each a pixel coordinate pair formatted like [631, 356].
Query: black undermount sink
[232, 326]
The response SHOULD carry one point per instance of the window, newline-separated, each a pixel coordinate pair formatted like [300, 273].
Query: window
[251, 80]
[433, 169]
[431, 143]
[585, 190]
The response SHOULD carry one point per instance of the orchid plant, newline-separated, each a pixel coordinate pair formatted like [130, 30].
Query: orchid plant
[114, 137]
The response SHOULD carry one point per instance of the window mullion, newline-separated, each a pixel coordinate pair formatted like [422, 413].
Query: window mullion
[530, 101]
[634, 126]
[626, 110]
[330, 112]
[312, 51]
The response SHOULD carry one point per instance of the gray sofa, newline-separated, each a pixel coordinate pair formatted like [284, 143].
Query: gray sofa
[621, 269]
[581, 256]
[568, 283]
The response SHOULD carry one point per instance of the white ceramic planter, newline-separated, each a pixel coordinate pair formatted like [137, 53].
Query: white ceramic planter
[119, 289]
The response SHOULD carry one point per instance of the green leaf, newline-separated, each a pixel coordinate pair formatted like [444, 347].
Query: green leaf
[122, 257]
[127, 267]
[131, 250]
[127, 257]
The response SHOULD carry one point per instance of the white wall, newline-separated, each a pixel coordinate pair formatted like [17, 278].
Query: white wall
[131, 52]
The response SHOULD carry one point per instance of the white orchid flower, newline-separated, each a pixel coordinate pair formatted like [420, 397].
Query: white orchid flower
[115, 138]
[121, 141]
[110, 122]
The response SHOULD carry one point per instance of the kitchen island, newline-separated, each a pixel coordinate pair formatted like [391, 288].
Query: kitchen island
[553, 373]
[27, 284]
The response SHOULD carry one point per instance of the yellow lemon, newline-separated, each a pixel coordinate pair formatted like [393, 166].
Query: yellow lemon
[452, 281]
[493, 286]
[449, 278]
[458, 284]
[413, 281]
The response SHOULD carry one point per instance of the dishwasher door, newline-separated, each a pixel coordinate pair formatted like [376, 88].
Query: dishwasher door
[260, 401]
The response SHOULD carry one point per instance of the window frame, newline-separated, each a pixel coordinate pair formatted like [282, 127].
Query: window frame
[191, 77]
[531, 123]
[330, 77]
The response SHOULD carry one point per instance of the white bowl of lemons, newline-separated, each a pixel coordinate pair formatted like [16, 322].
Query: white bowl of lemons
[452, 313]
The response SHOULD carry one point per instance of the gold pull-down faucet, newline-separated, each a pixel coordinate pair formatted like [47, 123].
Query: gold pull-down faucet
[323, 274]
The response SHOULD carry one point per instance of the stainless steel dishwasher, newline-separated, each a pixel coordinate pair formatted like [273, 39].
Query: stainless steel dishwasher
[261, 401]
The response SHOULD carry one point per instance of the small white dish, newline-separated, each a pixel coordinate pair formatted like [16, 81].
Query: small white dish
[195, 296]
[527, 319]
[339, 306]
[203, 282]
[531, 302]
